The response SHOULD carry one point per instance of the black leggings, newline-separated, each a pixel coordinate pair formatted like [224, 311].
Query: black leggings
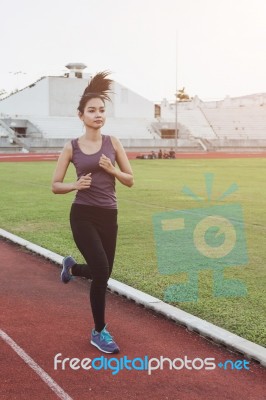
[94, 231]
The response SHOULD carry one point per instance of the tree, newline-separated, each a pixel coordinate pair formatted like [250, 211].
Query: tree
[2, 92]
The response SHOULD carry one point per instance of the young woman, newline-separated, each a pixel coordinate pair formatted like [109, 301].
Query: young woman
[93, 215]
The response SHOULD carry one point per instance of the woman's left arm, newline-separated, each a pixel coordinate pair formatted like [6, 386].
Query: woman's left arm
[124, 174]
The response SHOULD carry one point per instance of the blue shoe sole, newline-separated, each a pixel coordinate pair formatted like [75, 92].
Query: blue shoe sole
[104, 351]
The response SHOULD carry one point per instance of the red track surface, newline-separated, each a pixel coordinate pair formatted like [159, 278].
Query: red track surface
[45, 317]
[131, 155]
[27, 157]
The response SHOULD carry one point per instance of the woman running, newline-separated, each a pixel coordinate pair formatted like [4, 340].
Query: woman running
[93, 215]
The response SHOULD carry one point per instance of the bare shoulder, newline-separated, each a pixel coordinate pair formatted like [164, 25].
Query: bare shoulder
[67, 150]
[68, 145]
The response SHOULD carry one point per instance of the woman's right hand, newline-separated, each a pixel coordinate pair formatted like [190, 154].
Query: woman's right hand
[84, 182]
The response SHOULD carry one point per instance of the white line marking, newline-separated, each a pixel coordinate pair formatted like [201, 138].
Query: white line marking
[36, 368]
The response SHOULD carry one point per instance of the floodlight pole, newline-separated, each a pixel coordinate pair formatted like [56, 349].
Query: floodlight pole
[176, 92]
[176, 101]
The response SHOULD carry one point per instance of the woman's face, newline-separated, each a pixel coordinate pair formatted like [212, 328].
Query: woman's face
[94, 113]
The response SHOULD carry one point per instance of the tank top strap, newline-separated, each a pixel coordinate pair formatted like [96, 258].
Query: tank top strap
[107, 145]
[74, 143]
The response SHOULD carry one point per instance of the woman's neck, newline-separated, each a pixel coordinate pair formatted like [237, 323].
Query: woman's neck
[93, 135]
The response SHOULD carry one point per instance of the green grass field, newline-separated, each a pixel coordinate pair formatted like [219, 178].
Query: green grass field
[29, 209]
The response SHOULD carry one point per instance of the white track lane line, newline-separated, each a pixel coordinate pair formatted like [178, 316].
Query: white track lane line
[36, 368]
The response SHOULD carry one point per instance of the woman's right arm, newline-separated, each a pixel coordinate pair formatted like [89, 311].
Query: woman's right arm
[58, 185]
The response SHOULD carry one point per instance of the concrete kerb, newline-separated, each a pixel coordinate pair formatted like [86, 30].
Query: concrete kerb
[219, 335]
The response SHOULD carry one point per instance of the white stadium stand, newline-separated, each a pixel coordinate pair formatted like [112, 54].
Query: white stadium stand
[43, 116]
[238, 122]
[71, 127]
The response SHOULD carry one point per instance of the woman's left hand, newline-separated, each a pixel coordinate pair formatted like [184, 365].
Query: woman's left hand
[106, 164]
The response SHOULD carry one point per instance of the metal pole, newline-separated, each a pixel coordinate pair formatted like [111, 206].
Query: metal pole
[176, 123]
[176, 98]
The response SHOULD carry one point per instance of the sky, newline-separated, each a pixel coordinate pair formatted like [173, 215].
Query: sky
[213, 48]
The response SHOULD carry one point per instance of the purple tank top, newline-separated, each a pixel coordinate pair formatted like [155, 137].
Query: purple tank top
[102, 190]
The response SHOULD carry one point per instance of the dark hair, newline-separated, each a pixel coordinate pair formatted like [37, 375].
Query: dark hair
[99, 87]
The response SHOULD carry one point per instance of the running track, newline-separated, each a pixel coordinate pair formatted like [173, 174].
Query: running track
[41, 317]
[131, 155]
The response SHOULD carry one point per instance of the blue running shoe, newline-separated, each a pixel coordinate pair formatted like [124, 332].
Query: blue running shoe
[68, 262]
[104, 341]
